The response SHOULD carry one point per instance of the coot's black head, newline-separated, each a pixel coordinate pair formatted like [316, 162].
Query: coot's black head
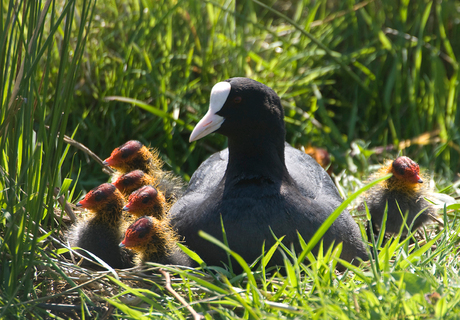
[242, 108]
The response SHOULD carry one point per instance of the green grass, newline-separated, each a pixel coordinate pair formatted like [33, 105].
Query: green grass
[169, 56]
[358, 79]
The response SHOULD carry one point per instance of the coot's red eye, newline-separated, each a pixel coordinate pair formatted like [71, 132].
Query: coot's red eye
[237, 99]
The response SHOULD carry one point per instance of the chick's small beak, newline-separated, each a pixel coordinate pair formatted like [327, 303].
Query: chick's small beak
[82, 203]
[107, 162]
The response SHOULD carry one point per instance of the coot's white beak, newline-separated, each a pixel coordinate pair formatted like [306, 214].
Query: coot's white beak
[211, 121]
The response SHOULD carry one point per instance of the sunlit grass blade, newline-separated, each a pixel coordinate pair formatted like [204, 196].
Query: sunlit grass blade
[334, 215]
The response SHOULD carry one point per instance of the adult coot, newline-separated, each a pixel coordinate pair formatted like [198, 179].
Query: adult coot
[261, 183]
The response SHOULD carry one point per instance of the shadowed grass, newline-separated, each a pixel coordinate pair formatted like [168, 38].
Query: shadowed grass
[38, 77]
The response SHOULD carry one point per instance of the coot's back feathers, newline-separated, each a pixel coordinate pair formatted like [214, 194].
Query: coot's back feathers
[257, 191]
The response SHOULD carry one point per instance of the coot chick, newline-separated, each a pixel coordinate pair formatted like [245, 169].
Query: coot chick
[100, 232]
[266, 185]
[321, 156]
[404, 193]
[146, 201]
[153, 240]
[131, 181]
[133, 155]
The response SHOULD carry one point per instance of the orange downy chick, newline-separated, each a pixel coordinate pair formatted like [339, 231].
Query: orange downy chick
[131, 181]
[153, 240]
[133, 155]
[100, 231]
[321, 156]
[147, 201]
[404, 193]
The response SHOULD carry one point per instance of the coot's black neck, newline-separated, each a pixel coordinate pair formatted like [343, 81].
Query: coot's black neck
[256, 157]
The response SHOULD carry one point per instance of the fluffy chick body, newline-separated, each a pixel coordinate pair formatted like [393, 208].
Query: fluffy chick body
[100, 231]
[404, 193]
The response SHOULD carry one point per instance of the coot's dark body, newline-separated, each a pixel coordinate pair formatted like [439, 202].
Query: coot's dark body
[257, 192]
[302, 167]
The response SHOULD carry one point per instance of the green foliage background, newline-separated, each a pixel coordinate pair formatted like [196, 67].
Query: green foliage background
[380, 72]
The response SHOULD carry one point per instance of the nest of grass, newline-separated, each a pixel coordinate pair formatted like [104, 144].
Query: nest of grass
[64, 288]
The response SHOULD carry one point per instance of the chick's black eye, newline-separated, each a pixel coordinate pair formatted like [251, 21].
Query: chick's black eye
[142, 233]
[237, 99]
[99, 196]
[401, 169]
[125, 153]
[145, 199]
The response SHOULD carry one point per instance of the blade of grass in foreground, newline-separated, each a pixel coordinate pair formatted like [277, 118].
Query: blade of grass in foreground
[334, 215]
[30, 153]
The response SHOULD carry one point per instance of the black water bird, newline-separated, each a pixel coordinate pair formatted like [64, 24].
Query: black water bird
[260, 183]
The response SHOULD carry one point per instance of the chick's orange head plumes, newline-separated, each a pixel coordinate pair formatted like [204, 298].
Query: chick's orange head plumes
[131, 180]
[123, 154]
[321, 156]
[99, 196]
[144, 200]
[138, 233]
[406, 169]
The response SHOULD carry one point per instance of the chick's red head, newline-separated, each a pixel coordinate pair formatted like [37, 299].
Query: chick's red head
[123, 153]
[138, 233]
[99, 196]
[142, 199]
[130, 181]
[406, 169]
